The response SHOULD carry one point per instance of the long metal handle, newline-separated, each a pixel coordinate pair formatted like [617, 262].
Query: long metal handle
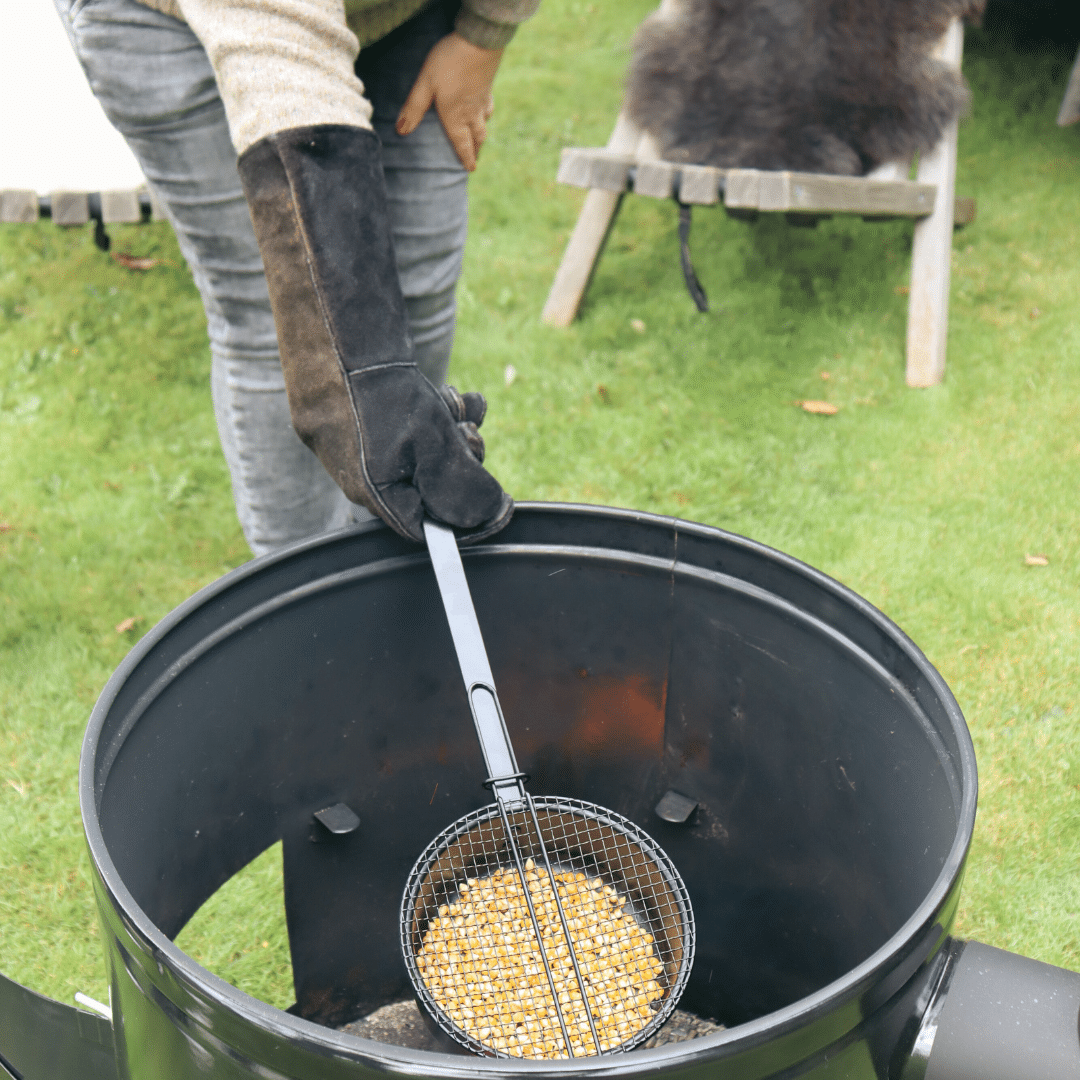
[503, 774]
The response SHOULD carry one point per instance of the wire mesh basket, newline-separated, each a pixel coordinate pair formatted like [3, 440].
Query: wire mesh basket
[509, 967]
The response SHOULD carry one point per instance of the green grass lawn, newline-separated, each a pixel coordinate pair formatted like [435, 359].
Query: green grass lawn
[114, 500]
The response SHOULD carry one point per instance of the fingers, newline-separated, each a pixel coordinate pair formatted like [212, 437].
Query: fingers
[456, 78]
[478, 128]
[454, 401]
[475, 407]
[468, 412]
[467, 135]
[416, 105]
[474, 440]
[499, 520]
[466, 128]
[461, 138]
[470, 406]
[456, 488]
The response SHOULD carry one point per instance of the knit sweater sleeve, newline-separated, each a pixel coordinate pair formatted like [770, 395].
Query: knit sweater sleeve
[492, 23]
[280, 64]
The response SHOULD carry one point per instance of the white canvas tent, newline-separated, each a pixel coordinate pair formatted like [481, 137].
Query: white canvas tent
[53, 134]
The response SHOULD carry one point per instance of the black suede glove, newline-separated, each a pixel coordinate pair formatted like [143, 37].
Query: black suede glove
[390, 440]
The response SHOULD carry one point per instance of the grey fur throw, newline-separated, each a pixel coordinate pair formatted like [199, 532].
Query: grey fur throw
[832, 86]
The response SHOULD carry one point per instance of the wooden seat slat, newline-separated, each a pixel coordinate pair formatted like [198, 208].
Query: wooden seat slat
[746, 189]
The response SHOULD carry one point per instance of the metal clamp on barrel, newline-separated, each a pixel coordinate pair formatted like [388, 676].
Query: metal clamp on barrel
[1003, 1017]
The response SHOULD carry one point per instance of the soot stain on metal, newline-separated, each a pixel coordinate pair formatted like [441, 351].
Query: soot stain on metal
[623, 714]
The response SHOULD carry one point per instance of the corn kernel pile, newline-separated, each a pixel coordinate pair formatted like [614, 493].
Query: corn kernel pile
[481, 962]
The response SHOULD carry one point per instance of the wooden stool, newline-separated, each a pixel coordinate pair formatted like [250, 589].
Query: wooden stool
[631, 162]
[72, 208]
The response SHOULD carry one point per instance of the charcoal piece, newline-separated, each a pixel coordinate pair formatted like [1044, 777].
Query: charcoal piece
[400, 1024]
[829, 86]
[682, 1027]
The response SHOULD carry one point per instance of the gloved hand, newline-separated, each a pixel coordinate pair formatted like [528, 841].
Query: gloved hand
[391, 440]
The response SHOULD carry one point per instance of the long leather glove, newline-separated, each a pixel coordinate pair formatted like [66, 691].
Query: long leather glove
[391, 440]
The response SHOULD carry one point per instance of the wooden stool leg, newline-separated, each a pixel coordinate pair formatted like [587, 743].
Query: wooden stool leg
[931, 253]
[581, 256]
[588, 238]
[1069, 113]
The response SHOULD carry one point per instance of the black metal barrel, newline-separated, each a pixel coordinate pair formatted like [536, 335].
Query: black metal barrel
[833, 776]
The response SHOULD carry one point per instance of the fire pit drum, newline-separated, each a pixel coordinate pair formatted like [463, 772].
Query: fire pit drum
[313, 697]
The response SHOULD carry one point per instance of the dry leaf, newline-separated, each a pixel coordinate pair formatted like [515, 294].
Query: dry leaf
[822, 408]
[1034, 313]
[602, 390]
[902, 290]
[5, 527]
[127, 624]
[510, 374]
[110, 486]
[1036, 560]
[826, 376]
[134, 262]
[638, 325]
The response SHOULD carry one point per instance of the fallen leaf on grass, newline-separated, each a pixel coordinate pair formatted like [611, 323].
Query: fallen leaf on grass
[902, 290]
[125, 625]
[638, 325]
[605, 395]
[1034, 313]
[826, 376]
[821, 408]
[1036, 560]
[20, 788]
[110, 486]
[134, 262]
[5, 527]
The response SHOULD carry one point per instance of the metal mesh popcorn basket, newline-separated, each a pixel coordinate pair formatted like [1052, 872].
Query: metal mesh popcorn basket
[505, 963]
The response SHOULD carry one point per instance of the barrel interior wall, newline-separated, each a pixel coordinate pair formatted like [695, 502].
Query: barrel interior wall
[819, 784]
[825, 809]
[815, 595]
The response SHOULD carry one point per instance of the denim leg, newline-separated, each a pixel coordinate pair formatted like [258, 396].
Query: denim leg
[427, 194]
[155, 83]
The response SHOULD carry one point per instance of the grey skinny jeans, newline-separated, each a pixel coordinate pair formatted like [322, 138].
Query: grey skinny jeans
[155, 83]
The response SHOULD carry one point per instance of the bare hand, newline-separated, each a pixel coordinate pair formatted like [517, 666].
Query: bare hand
[456, 77]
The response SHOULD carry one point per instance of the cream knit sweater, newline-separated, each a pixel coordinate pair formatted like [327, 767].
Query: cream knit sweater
[289, 63]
